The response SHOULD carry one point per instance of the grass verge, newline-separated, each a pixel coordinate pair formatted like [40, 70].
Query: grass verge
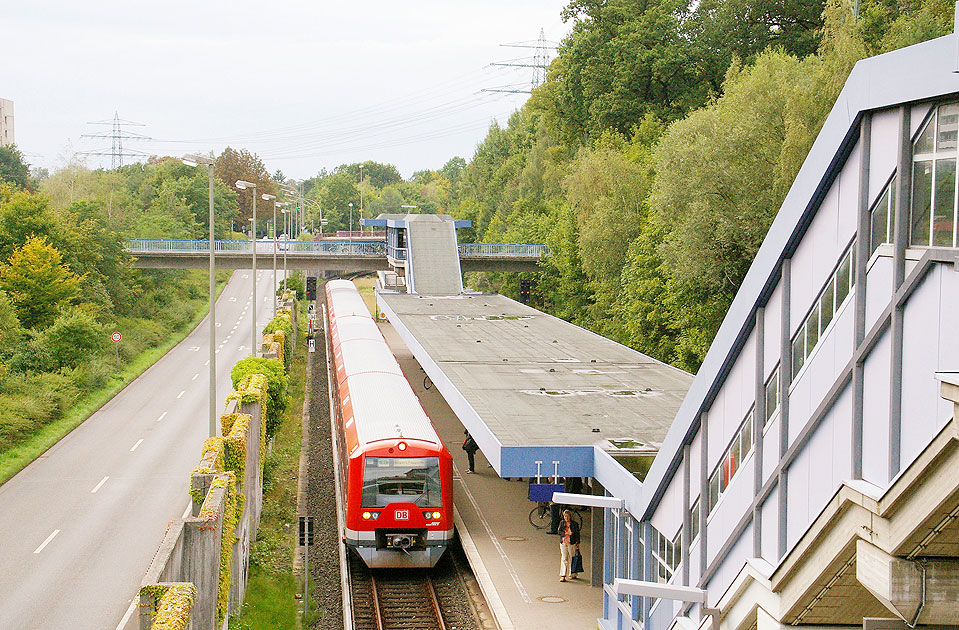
[270, 602]
[18, 457]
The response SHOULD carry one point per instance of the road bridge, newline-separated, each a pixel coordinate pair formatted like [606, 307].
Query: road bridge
[331, 255]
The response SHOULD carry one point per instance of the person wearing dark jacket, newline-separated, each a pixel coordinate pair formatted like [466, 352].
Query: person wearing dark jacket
[568, 531]
[470, 446]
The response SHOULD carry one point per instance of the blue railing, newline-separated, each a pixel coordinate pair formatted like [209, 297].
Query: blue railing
[343, 248]
[503, 249]
[177, 246]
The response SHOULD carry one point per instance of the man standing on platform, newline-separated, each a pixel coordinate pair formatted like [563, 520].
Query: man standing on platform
[470, 446]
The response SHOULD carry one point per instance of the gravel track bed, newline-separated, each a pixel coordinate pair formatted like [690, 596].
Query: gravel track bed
[321, 500]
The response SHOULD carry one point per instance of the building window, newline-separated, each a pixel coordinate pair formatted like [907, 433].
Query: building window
[824, 309]
[772, 395]
[880, 217]
[933, 201]
[694, 520]
[731, 461]
[667, 555]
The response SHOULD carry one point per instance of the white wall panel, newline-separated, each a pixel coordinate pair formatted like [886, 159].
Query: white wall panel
[920, 360]
[694, 563]
[741, 386]
[875, 417]
[823, 237]
[842, 330]
[828, 453]
[715, 442]
[883, 150]
[668, 517]
[797, 498]
[732, 564]
[694, 457]
[849, 197]
[773, 325]
[736, 502]
[878, 289]
[771, 447]
[800, 399]
[770, 527]
[948, 336]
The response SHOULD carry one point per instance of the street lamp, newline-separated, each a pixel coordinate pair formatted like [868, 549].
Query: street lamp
[351, 227]
[409, 207]
[361, 197]
[196, 160]
[268, 197]
[285, 233]
[243, 185]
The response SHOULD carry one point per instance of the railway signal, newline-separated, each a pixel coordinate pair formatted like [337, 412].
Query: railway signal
[306, 540]
[311, 288]
[524, 286]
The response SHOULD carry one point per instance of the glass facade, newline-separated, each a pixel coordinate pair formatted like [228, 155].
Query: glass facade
[932, 205]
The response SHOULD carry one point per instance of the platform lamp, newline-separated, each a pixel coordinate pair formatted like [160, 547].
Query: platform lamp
[287, 242]
[243, 185]
[192, 159]
[268, 197]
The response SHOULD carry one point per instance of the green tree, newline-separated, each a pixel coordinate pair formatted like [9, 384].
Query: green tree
[72, 339]
[38, 283]
[12, 167]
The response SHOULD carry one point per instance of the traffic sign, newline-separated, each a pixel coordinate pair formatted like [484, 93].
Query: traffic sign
[312, 345]
[116, 337]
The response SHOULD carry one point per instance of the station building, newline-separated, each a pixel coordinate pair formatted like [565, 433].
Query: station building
[811, 474]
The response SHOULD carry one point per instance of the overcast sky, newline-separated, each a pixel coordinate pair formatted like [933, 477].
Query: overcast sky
[306, 85]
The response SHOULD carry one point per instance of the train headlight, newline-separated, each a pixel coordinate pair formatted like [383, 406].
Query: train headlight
[367, 516]
[401, 446]
[436, 515]
[376, 515]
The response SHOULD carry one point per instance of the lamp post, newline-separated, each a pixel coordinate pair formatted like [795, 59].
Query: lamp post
[351, 227]
[285, 212]
[361, 197]
[268, 197]
[243, 185]
[196, 160]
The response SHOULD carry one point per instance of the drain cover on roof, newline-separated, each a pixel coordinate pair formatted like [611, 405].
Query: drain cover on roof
[514, 538]
[552, 599]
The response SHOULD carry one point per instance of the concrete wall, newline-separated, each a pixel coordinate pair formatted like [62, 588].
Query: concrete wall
[191, 549]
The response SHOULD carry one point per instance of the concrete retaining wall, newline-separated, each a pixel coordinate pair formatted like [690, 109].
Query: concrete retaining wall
[191, 549]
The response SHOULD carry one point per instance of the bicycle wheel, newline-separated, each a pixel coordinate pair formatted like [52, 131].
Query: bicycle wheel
[539, 517]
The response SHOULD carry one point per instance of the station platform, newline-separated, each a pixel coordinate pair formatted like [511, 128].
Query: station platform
[516, 564]
[538, 394]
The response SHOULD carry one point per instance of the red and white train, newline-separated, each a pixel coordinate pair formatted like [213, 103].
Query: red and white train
[396, 474]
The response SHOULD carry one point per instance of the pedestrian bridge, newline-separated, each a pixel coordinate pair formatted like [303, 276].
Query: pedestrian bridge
[339, 255]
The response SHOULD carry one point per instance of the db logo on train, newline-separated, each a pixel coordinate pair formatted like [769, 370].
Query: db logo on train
[402, 515]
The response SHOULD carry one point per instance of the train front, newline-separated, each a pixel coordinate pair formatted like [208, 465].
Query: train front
[400, 499]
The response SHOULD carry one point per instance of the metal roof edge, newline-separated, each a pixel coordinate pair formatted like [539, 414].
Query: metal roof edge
[920, 72]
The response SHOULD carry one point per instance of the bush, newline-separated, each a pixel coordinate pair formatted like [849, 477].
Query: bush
[277, 382]
[72, 339]
[283, 323]
[294, 283]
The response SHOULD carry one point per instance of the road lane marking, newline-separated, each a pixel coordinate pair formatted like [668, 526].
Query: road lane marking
[195, 376]
[134, 447]
[218, 324]
[162, 416]
[47, 541]
[99, 485]
[180, 395]
[128, 613]
[207, 362]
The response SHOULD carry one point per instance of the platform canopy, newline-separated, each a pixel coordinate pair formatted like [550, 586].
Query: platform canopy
[533, 388]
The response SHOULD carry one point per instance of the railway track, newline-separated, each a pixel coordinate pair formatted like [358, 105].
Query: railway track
[412, 599]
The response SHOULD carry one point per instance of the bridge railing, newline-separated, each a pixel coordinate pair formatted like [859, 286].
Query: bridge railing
[343, 248]
[178, 246]
[503, 249]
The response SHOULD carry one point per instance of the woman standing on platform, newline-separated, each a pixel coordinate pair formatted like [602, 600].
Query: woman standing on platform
[568, 531]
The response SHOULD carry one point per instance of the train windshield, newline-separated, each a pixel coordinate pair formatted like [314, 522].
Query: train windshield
[402, 480]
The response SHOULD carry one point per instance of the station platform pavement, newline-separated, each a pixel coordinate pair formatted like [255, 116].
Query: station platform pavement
[516, 564]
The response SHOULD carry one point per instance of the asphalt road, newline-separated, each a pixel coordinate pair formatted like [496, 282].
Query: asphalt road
[80, 525]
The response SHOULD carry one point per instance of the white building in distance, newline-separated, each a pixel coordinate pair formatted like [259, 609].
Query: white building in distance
[6, 123]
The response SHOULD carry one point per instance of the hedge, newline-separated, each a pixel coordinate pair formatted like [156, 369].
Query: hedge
[275, 379]
[173, 605]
